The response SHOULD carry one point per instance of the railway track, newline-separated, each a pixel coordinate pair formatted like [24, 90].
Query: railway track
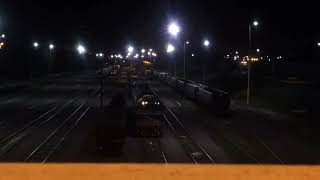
[193, 149]
[176, 126]
[163, 154]
[51, 143]
[15, 130]
[48, 146]
[16, 136]
[265, 155]
[245, 154]
[155, 145]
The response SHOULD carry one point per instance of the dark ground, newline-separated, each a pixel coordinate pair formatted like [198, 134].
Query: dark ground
[59, 120]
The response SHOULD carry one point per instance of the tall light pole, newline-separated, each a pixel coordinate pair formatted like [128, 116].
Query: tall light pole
[51, 48]
[184, 58]
[149, 55]
[35, 46]
[173, 30]
[206, 44]
[170, 50]
[254, 24]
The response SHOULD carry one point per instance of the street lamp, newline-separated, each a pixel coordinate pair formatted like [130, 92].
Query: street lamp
[173, 29]
[184, 58]
[170, 48]
[255, 24]
[206, 43]
[81, 49]
[51, 46]
[99, 54]
[143, 51]
[130, 49]
[36, 44]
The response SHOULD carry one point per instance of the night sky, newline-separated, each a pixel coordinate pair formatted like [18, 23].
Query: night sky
[110, 25]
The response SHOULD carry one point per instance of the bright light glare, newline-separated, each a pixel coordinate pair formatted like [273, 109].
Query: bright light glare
[35, 44]
[142, 56]
[149, 53]
[136, 56]
[206, 43]
[144, 103]
[154, 54]
[130, 49]
[187, 42]
[318, 44]
[101, 54]
[111, 56]
[255, 23]
[170, 48]
[237, 52]
[150, 50]
[81, 49]
[192, 55]
[51, 46]
[258, 50]
[143, 50]
[173, 29]
[3, 35]
[244, 63]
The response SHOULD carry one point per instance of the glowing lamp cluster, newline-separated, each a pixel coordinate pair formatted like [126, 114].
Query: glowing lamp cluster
[170, 48]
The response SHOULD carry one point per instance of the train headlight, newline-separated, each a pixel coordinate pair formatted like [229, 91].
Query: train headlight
[144, 103]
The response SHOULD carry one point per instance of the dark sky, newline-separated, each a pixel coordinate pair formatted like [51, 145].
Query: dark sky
[110, 25]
